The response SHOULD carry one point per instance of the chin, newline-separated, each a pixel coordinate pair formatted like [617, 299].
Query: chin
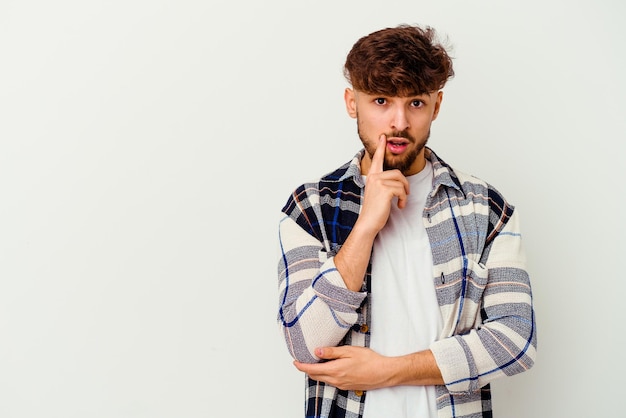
[403, 162]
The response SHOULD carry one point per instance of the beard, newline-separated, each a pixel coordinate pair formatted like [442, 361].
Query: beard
[396, 162]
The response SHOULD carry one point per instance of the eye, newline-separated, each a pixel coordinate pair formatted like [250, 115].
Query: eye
[417, 103]
[380, 101]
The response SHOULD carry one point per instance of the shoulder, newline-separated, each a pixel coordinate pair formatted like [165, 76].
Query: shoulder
[344, 183]
[477, 188]
[471, 186]
[499, 211]
[469, 182]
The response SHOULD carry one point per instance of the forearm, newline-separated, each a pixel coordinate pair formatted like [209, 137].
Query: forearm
[416, 369]
[503, 345]
[504, 342]
[382, 187]
[315, 307]
[360, 368]
[354, 256]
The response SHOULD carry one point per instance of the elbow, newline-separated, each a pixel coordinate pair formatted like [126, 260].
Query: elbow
[515, 335]
[526, 350]
[295, 340]
[305, 357]
[297, 347]
[531, 348]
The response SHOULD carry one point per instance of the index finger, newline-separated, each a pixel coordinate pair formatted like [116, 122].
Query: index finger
[379, 155]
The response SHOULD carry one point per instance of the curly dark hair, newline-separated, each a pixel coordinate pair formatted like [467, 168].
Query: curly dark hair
[401, 61]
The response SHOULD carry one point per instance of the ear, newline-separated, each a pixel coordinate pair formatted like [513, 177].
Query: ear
[350, 99]
[437, 104]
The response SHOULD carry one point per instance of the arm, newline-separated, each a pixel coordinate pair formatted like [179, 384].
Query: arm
[503, 345]
[315, 306]
[382, 187]
[360, 368]
[320, 293]
[505, 342]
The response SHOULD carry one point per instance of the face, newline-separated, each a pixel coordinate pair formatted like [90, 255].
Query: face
[405, 121]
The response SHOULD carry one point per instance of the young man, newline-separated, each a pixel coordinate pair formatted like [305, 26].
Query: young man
[402, 281]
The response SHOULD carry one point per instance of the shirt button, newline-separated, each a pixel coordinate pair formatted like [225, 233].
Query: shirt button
[364, 328]
[358, 392]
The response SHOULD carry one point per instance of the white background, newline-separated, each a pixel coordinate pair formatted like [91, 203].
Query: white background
[147, 147]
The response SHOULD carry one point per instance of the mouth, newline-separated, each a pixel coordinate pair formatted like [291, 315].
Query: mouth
[397, 145]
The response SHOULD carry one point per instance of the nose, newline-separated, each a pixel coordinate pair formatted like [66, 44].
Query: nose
[399, 120]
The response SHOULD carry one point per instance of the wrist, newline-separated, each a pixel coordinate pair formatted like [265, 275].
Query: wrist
[364, 230]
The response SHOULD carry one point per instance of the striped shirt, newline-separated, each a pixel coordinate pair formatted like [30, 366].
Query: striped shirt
[479, 275]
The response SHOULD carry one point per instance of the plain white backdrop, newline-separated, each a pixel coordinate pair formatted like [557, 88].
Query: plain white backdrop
[146, 148]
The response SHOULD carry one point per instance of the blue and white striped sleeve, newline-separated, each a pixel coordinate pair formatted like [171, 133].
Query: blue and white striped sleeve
[315, 307]
[505, 341]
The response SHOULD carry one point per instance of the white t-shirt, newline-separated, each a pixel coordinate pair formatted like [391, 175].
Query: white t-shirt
[405, 316]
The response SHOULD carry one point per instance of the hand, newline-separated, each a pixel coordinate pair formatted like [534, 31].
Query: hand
[380, 189]
[349, 368]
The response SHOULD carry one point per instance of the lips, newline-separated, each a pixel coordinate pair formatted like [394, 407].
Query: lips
[397, 145]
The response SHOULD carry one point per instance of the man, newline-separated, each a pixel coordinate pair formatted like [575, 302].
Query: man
[402, 281]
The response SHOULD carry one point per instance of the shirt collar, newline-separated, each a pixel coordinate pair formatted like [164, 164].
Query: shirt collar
[443, 173]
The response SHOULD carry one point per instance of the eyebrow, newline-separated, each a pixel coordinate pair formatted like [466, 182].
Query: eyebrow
[410, 96]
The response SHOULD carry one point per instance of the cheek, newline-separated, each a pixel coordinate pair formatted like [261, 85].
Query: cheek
[374, 125]
[364, 126]
[422, 123]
